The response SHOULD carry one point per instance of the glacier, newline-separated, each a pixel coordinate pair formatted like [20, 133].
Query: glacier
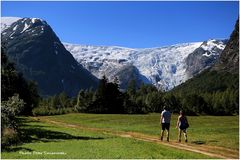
[164, 67]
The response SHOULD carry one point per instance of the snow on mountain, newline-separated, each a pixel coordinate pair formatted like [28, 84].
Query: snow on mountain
[211, 46]
[165, 67]
[204, 57]
[102, 60]
[7, 21]
[40, 56]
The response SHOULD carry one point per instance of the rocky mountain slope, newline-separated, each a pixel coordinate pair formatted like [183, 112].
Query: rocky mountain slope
[39, 54]
[204, 57]
[223, 76]
[229, 59]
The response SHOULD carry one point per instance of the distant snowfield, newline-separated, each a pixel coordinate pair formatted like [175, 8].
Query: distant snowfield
[164, 67]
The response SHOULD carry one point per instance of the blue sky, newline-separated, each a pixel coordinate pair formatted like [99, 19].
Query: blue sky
[131, 24]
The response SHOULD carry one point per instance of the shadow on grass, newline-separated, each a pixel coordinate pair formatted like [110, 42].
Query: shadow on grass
[199, 142]
[25, 122]
[36, 134]
[15, 149]
[30, 133]
[39, 133]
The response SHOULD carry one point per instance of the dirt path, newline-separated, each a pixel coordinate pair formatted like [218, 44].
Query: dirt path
[212, 151]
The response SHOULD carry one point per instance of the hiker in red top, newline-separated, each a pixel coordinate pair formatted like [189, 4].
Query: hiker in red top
[182, 125]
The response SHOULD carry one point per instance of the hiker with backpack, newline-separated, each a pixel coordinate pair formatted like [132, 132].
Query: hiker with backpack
[182, 125]
[165, 122]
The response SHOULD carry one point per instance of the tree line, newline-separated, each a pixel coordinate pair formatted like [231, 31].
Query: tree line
[211, 92]
[108, 99]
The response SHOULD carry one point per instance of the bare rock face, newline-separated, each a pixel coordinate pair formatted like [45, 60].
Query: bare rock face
[204, 57]
[229, 59]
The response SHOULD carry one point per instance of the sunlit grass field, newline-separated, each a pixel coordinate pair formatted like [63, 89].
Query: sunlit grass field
[76, 143]
[64, 142]
[212, 130]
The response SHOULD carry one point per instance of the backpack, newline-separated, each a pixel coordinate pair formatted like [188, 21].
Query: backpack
[183, 123]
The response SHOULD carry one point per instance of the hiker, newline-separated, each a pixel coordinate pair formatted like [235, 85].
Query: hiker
[165, 122]
[182, 125]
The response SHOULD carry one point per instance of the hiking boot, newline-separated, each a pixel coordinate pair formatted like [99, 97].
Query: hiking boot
[161, 138]
[179, 140]
[186, 140]
[168, 139]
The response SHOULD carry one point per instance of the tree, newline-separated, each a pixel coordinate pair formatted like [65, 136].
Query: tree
[114, 98]
[63, 100]
[172, 102]
[107, 99]
[132, 87]
[194, 104]
[14, 83]
[154, 101]
[54, 101]
[9, 110]
[84, 100]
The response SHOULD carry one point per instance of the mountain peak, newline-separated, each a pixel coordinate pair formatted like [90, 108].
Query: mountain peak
[212, 43]
[39, 54]
[16, 27]
[8, 21]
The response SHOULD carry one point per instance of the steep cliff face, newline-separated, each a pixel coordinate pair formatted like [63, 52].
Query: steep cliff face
[229, 59]
[223, 75]
[39, 54]
[204, 57]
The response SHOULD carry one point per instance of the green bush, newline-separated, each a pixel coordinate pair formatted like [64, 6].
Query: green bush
[10, 109]
[9, 126]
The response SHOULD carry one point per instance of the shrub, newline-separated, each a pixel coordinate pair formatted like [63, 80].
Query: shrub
[10, 109]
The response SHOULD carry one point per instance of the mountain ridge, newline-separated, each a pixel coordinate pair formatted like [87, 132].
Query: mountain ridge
[165, 67]
[39, 54]
[229, 60]
[222, 76]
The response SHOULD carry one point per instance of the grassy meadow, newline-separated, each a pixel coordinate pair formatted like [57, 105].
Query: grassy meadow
[47, 140]
[212, 130]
